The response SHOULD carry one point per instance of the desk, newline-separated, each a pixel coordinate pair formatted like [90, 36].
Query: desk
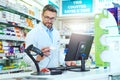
[67, 75]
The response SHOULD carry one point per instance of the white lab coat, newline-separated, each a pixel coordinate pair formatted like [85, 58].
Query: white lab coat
[40, 38]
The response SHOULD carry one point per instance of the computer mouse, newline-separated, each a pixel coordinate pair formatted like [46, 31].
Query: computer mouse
[56, 72]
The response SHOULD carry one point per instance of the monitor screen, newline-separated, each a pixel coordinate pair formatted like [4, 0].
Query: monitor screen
[79, 47]
[79, 44]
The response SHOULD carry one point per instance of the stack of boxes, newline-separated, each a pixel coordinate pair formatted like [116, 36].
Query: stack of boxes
[14, 33]
[29, 23]
[15, 19]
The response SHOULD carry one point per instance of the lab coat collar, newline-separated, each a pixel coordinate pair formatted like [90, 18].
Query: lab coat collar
[45, 27]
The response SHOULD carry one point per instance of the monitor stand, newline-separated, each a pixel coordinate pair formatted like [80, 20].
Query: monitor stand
[82, 67]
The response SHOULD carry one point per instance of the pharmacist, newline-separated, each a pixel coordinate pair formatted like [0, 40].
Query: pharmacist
[47, 39]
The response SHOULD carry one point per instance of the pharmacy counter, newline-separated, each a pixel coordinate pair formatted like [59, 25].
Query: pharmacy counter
[67, 75]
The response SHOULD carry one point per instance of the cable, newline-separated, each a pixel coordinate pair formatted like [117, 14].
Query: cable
[49, 61]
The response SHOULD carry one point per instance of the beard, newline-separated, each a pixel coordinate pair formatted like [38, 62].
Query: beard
[49, 25]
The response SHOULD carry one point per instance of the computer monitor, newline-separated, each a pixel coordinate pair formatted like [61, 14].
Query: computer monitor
[79, 48]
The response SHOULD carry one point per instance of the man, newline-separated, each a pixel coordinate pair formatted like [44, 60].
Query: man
[47, 39]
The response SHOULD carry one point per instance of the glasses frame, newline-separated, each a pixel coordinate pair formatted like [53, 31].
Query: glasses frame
[47, 18]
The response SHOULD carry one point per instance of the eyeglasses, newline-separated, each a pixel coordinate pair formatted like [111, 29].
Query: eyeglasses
[48, 18]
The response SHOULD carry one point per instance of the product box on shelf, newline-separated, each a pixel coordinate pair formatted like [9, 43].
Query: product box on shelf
[3, 16]
[1, 47]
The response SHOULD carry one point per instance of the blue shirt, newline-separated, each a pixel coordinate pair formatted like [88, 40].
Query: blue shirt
[49, 31]
[41, 36]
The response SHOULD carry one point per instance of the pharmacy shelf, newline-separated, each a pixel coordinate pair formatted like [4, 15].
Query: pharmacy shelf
[10, 24]
[18, 12]
[11, 38]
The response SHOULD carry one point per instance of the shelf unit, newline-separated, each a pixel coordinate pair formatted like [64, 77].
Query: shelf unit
[12, 22]
[8, 24]
[15, 18]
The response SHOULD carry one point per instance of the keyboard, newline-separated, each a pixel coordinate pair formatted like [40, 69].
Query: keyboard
[64, 68]
[73, 67]
[58, 68]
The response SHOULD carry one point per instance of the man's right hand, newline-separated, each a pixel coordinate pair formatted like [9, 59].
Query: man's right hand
[46, 52]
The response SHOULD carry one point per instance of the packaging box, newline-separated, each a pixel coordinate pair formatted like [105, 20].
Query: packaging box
[116, 13]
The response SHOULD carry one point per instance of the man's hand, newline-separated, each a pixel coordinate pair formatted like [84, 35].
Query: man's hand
[70, 63]
[46, 52]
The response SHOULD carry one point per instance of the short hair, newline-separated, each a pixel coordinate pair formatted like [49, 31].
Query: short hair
[49, 8]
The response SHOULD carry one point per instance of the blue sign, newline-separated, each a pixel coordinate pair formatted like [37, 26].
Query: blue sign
[77, 6]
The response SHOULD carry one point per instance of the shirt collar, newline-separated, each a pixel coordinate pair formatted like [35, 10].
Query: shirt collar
[47, 29]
